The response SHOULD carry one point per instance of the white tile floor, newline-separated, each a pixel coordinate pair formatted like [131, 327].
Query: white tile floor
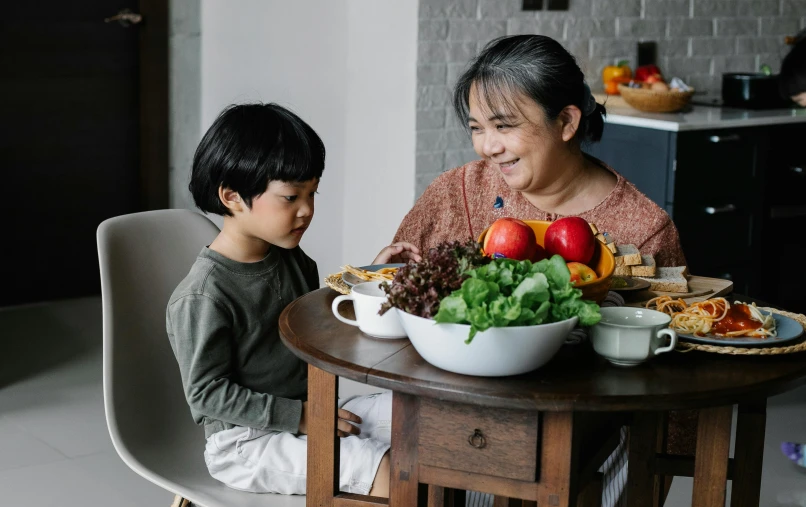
[55, 450]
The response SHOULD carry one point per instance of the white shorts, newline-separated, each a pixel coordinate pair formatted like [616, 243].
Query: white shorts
[262, 461]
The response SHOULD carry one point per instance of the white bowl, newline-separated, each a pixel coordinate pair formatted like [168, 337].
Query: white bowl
[496, 352]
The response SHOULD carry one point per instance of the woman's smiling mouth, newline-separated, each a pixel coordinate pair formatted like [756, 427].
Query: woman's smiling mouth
[506, 167]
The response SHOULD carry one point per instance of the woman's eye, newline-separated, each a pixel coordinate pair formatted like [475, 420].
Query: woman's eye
[474, 128]
[502, 126]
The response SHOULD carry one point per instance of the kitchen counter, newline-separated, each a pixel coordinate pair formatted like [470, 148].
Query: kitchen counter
[697, 117]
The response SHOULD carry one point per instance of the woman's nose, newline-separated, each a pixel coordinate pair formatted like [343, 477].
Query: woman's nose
[491, 145]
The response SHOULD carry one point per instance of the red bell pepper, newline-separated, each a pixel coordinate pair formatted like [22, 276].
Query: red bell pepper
[644, 71]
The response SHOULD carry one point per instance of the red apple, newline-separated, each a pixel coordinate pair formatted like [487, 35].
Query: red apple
[580, 273]
[513, 239]
[571, 238]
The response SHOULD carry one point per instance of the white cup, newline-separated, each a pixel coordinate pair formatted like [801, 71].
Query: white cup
[367, 298]
[629, 336]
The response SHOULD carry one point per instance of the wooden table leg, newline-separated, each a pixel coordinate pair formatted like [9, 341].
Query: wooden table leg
[323, 448]
[404, 474]
[558, 460]
[711, 458]
[643, 485]
[748, 455]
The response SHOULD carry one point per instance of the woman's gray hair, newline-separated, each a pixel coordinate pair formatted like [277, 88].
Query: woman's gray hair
[535, 66]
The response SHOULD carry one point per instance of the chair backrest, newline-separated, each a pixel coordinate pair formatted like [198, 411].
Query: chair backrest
[143, 257]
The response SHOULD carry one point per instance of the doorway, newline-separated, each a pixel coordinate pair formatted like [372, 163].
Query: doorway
[84, 137]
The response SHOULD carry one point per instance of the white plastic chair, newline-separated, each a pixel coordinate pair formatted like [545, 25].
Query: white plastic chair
[143, 256]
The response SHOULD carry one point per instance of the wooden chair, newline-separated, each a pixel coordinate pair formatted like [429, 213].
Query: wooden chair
[143, 256]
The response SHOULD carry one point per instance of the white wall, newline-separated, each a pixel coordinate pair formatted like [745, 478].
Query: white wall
[348, 68]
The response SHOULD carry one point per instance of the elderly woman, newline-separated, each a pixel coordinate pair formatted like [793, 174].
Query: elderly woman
[528, 110]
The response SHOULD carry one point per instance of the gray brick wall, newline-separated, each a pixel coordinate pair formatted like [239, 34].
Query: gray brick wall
[697, 40]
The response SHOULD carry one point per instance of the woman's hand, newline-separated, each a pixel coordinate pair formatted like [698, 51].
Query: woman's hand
[344, 428]
[398, 252]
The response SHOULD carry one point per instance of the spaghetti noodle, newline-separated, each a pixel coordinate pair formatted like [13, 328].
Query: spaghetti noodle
[715, 317]
[382, 275]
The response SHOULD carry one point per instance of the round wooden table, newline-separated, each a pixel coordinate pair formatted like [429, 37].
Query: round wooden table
[540, 436]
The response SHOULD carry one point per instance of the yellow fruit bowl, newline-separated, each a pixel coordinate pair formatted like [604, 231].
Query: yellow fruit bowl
[603, 263]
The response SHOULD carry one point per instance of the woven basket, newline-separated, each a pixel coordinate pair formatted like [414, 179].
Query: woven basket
[653, 101]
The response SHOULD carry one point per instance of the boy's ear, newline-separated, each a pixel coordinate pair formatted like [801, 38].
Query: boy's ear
[231, 199]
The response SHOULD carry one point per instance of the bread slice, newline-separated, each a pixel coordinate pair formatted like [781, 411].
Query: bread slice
[627, 255]
[622, 271]
[646, 268]
[612, 247]
[668, 280]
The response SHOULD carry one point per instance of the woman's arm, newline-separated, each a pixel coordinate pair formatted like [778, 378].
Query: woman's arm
[664, 245]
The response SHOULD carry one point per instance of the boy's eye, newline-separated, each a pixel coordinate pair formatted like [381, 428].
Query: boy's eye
[474, 128]
[290, 198]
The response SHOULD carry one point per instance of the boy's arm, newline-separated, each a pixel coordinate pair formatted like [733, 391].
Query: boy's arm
[200, 335]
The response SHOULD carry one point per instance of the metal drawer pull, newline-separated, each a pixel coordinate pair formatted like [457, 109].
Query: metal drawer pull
[477, 440]
[730, 138]
[722, 209]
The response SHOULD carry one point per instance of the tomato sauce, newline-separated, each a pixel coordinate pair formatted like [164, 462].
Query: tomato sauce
[738, 318]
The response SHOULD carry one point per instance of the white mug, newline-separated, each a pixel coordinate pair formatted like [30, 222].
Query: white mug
[629, 336]
[367, 298]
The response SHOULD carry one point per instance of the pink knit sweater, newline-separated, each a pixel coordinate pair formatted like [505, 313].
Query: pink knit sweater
[462, 202]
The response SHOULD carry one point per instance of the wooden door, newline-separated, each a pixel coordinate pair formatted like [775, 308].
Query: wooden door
[70, 141]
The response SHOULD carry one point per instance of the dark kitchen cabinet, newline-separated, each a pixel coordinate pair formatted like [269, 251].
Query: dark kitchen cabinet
[737, 196]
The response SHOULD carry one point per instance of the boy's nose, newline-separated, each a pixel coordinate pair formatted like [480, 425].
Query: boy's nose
[305, 210]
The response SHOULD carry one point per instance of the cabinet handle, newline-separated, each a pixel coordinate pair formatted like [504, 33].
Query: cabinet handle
[729, 138]
[711, 210]
[477, 439]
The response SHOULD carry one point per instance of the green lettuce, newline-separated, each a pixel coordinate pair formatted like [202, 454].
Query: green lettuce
[507, 292]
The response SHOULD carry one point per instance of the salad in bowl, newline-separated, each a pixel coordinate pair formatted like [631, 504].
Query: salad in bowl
[470, 314]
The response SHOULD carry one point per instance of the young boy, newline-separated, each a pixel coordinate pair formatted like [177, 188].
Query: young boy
[259, 166]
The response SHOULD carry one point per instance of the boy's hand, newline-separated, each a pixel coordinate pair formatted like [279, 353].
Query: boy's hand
[401, 251]
[344, 428]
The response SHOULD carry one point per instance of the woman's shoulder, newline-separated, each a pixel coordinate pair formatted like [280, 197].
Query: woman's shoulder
[626, 201]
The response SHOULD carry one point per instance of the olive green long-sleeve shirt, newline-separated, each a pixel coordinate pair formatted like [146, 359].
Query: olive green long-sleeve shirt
[222, 322]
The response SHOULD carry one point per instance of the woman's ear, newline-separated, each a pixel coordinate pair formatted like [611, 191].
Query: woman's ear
[569, 119]
[230, 199]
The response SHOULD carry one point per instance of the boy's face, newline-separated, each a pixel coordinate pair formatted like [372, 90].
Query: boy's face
[282, 213]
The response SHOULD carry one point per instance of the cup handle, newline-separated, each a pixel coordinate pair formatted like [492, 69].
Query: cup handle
[335, 307]
[672, 335]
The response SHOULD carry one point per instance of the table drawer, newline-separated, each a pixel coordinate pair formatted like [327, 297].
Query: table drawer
[496, 442]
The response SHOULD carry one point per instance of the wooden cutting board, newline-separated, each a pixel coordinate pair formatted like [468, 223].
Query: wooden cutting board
[700, 289]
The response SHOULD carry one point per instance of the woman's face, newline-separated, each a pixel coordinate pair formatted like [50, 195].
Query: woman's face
[518, 141]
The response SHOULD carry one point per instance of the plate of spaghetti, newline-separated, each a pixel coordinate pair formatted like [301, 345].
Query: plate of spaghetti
[351, 275]
[717, 321]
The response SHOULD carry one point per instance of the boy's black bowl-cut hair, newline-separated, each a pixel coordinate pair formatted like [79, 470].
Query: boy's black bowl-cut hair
[248, 146]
